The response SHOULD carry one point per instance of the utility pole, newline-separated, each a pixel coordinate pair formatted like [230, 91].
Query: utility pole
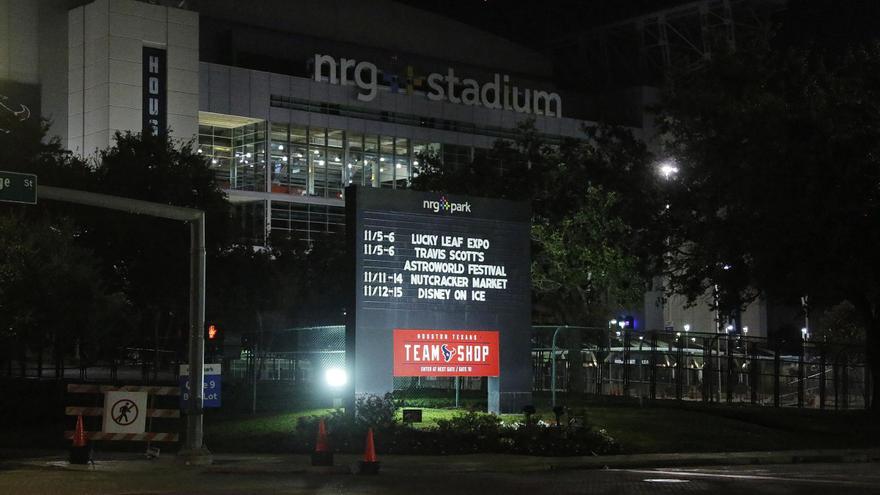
[194, 451]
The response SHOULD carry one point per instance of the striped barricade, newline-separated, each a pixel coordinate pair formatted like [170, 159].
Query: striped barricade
[134, 437]
[148, 436]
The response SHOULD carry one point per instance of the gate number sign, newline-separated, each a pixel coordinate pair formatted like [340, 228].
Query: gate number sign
[211, 390]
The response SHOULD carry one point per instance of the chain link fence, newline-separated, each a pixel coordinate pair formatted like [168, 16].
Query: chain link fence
[576, 361]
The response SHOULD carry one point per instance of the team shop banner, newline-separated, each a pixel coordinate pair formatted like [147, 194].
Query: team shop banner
[446, 353]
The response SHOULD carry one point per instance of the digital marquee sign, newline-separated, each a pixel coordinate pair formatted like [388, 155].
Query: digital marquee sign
[440, 287]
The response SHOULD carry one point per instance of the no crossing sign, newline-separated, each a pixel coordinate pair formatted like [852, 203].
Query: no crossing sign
[125, 412]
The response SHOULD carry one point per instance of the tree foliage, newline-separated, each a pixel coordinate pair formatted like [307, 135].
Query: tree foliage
[581, 266]
[52, 293]
[593, 201]
[100, 281]
[779, 186]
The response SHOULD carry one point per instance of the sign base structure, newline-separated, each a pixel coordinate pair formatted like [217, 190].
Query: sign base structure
[439, 286]
[196, 457]
[211, 398]
[506, 402]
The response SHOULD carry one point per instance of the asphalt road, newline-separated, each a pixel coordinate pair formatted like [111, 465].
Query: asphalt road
[45, 477]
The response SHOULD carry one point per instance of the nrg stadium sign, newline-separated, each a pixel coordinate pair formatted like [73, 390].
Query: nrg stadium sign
[497, 94]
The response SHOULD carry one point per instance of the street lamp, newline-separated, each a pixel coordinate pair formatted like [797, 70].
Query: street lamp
[746, 331]
[622, 324]
[667, 169]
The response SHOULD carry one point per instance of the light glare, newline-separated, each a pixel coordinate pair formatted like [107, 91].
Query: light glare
[335, 377]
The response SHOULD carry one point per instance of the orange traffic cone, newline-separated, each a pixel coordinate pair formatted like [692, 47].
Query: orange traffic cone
[370, 464]
[80, 452]
[322, 456]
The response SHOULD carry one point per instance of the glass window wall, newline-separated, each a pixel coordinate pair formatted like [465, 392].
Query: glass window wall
[401, 163]
[305, 161]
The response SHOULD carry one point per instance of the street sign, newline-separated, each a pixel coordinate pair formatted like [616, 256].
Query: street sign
[125, 412]
[212, 385]
[18, 188]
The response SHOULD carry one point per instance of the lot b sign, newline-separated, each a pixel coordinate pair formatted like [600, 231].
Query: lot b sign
[211, 390]
[445, 353]
[125, 412]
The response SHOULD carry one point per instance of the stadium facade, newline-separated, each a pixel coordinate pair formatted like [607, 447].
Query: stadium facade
[293, 101]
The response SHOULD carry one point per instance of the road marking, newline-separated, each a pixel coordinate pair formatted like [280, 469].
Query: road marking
[745, 477]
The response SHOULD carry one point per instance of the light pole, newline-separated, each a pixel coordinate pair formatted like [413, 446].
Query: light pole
[193, 450]
[553, 366]
[805, 301]
[687, 349]
[611, 323]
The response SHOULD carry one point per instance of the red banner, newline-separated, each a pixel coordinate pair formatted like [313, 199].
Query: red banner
[446, 353]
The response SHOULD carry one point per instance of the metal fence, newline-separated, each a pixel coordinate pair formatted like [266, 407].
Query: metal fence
[297, 355]
[579, 360]
[701, 367]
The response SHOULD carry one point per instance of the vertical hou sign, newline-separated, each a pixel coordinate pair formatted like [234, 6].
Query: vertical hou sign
[155, 102]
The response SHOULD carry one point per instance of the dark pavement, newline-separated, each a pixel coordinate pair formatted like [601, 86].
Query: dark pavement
[483, 475]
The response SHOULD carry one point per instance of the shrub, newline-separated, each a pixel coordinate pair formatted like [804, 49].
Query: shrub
[376, 412]
[468, 432]
[471, 432]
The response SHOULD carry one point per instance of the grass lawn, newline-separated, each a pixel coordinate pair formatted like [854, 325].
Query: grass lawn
[430, 416]
[665, 427]
[732, 428]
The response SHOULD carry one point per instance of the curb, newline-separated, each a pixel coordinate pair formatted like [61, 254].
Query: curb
[250, 464]
[718, 459]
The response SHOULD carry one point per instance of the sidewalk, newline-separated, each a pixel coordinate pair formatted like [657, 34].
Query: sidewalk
[345, 463]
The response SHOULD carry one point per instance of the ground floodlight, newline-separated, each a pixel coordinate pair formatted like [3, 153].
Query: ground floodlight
[335, 377]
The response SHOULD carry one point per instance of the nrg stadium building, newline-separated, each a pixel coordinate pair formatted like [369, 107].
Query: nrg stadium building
[293, 101]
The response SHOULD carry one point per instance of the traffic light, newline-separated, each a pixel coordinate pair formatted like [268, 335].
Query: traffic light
[247, 341]
[213, 341]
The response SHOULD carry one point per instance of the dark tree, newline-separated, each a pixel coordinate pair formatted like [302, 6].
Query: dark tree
[593, 201]
[53, 295]
[779, 189]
